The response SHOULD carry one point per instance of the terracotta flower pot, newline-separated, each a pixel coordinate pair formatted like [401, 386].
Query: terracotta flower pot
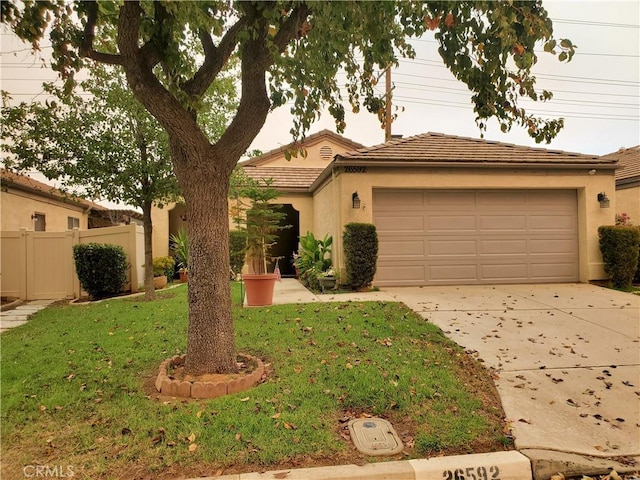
[184, 276]
[160, 282]
[259, 288]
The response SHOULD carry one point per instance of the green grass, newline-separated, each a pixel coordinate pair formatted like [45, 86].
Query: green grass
[73, 388]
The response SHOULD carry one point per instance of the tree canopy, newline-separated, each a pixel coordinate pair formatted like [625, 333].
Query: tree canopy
[288, 52]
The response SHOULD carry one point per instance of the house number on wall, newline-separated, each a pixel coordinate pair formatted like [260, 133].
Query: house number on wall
[355, 169]
[473, 473]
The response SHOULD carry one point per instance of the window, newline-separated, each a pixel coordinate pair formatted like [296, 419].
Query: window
[39, 224]
[73, 222]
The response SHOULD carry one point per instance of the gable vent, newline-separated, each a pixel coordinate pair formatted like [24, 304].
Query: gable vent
[325, 152]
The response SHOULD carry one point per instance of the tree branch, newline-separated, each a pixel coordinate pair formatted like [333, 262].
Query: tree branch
[290, 28]
[214, 60]
[86, 47]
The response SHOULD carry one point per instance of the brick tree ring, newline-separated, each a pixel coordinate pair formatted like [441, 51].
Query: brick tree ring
[170, 382]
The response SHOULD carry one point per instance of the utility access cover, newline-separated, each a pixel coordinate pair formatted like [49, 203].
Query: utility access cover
[374, 436]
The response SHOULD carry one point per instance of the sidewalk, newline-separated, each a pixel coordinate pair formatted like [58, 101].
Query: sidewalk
[20, 315]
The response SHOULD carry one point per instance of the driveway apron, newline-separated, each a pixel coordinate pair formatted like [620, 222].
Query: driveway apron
[566, 357]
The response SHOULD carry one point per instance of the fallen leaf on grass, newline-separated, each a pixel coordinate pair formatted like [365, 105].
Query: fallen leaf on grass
[193, 447]
[276, 416]
[191, 437]
[289, 426]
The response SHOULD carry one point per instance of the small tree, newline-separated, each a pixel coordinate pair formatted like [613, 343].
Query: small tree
[360, 243]
[263, 220]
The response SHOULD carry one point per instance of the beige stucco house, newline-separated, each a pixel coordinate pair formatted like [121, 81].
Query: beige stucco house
[628, 182]
[27, 203]
[448, 210]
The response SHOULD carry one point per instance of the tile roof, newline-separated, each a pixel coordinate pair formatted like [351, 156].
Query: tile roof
[285, 178]
[629, 160]
[438, 148]
[27, 183]
[308, 141]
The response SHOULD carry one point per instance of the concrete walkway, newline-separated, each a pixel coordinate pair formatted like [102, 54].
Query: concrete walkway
[21, 314]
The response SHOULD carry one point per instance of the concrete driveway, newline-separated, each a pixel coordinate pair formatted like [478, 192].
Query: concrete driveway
[567, 358]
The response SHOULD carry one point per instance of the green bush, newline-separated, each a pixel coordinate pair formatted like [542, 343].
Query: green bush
[313, 258]
[101, 268]
[163, 266]
[360, 243]
[237, 245]
[619, 247]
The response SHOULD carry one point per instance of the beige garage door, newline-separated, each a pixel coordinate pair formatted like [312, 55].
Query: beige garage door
[445, 237]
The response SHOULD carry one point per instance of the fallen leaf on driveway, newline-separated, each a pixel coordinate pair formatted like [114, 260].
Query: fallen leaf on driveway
[524, 420]
[281, 474]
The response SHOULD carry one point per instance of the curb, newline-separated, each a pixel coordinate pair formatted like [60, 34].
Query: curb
[511, 465]
[546, 463]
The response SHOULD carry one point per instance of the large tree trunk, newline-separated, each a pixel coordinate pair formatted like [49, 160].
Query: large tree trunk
[210, 338]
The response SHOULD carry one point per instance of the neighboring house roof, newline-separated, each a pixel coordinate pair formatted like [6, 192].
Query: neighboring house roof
[22, 182]
[437, 148]
[285, 178]
[322, 135]
[629, 160]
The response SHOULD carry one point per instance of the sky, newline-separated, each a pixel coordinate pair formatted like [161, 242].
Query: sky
[598, 92]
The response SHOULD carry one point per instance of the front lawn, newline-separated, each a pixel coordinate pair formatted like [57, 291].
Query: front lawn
[77, 390]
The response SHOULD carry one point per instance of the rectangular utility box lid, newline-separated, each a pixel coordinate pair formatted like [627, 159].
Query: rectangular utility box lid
[374, 436]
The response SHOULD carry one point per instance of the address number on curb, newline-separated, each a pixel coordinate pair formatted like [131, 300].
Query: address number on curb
[473, 473]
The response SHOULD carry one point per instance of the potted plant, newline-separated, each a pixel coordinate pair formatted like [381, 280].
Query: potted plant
[261, 221]
[327, 279]
[162, 268]
[180, 247]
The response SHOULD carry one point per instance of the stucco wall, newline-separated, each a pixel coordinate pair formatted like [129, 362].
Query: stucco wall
[628, 201]
[590, 215]
[16, 208]
[312, 159]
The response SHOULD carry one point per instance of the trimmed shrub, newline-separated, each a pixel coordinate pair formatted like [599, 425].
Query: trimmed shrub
[163, 266]
[619, 247]
[360, 243]
[101, 268]
[237, 245]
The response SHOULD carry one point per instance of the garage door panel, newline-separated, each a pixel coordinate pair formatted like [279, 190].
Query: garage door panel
[453, 273]
[504, 272]
[448, 200]
[397, 224]
[552, 223]
[503, 247]
[555, 246]
[507, 223]
[401, 248]
[436, 223]
[402, 274]
[443, 237]
[400, 199]
[504, 199]
[452, 247]
[550, 272]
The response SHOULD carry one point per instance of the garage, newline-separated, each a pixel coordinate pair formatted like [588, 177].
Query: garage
[442, 237]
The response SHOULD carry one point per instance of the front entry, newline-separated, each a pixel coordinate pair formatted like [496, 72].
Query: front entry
[287, 241]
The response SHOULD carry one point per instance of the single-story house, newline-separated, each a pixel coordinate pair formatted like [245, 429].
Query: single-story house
[27, 203]
[448, 209]
[628, 182]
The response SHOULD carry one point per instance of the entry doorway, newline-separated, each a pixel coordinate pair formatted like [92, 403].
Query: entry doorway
[287, 241]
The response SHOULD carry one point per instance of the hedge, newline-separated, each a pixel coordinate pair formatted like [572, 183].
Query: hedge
[360, 243]
[101, 268]
[619, 247]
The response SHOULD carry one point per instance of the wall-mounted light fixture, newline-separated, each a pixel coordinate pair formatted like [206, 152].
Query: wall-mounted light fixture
[355, 200]
[603, 200]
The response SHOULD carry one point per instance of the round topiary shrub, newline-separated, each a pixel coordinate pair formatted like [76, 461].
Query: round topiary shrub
[101, 268]
[360, 243]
